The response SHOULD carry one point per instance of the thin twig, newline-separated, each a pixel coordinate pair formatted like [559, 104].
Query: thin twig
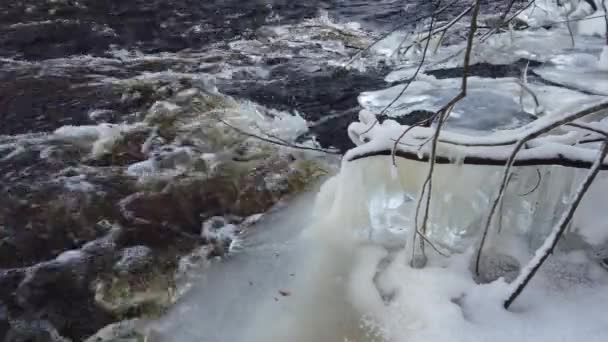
[423, 237]
[540, 178]
[572, 41]
[409, 81]
[405, 131]
[426, 47]
[588, 127]
[431, 32]
[443, 113]
[525, 87]
[501, 208]
[276, 142]
[570, 20]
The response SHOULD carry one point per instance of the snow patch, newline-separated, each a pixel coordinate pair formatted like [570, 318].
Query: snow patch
[99, 138]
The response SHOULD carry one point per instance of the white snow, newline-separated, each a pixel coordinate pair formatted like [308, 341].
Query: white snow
[443, 304]
[100, 138]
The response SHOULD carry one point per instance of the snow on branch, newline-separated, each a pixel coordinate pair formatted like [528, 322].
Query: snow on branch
[547, 141]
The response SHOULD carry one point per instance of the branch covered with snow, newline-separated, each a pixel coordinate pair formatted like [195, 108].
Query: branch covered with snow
[545, 141]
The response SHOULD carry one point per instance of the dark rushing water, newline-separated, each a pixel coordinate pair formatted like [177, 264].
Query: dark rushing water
[32, 98]
[45, 95]
[34, 29]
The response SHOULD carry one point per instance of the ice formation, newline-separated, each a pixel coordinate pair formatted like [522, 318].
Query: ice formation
[357, 284]
[347, 276]
[354, 282]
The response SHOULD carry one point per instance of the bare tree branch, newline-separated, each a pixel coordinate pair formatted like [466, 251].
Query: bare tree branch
[572, 41]
[443, 114]
[276, 142]
[557, 160]
[588, 127]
